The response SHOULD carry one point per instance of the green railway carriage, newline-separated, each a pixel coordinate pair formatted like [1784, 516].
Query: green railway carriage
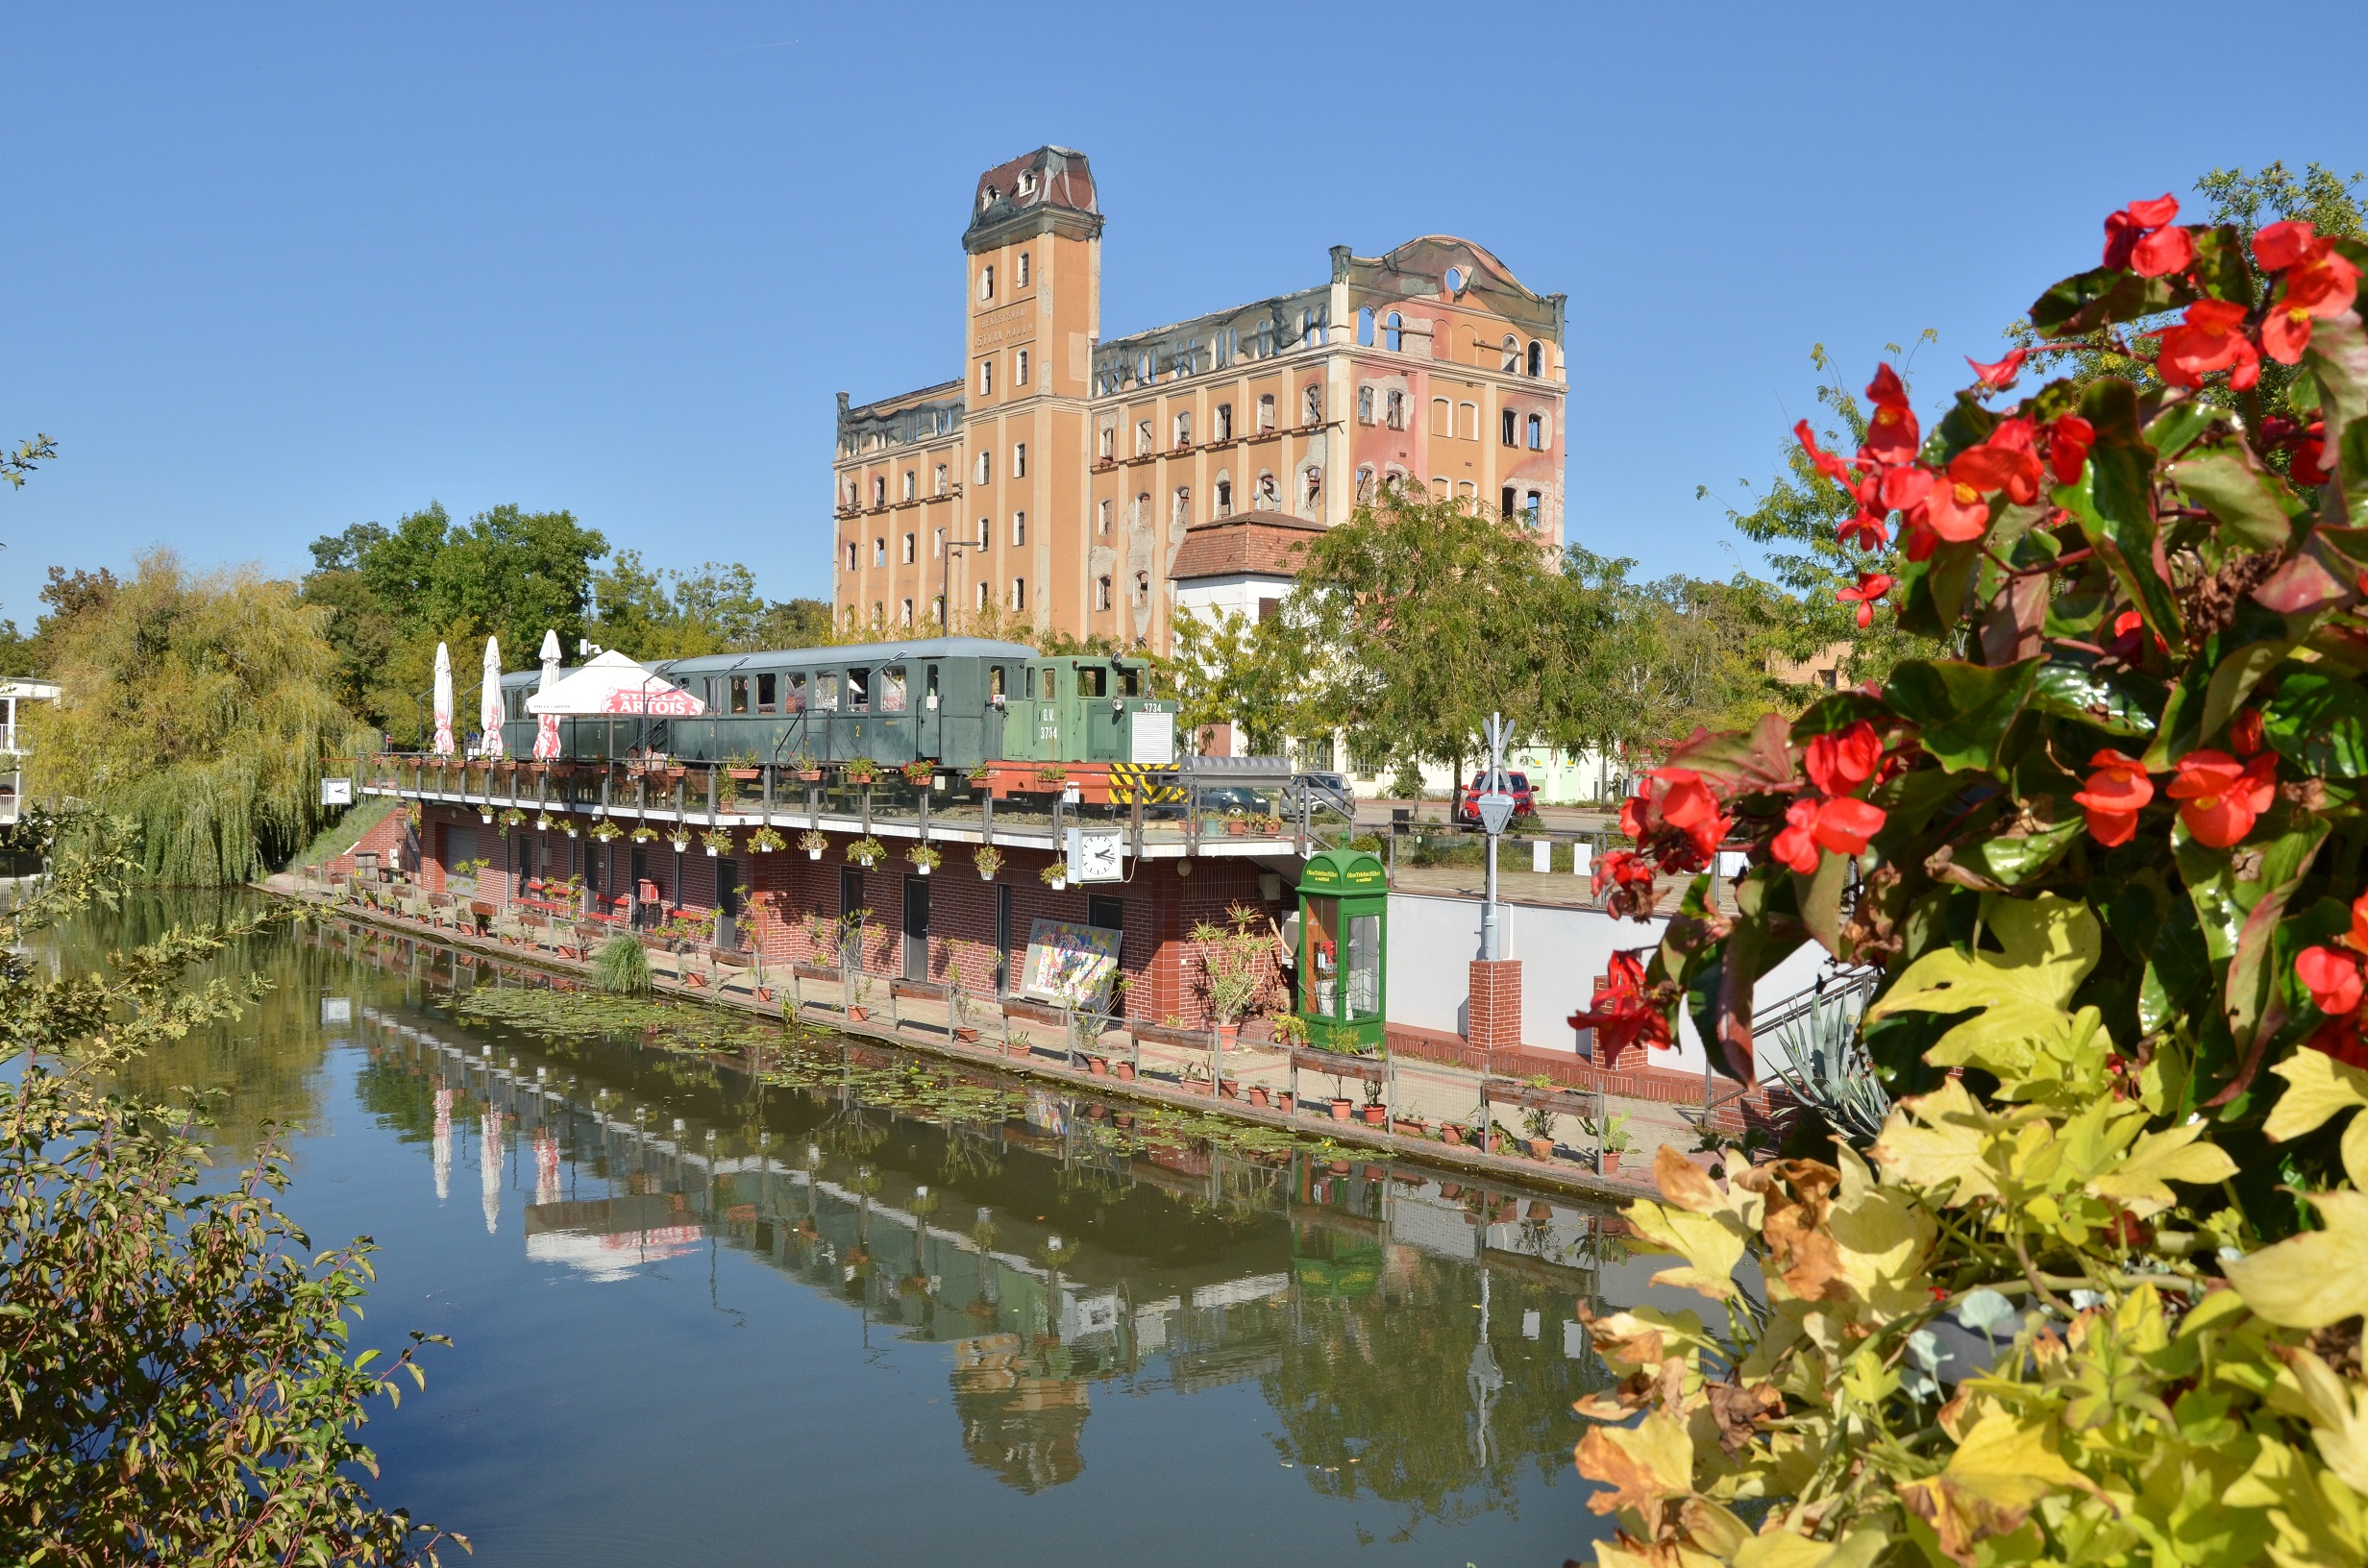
[954, 700]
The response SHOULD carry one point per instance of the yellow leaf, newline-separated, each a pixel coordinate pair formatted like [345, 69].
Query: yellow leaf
[2318, 1086]
[2047, 945]
[2356, 1151]
[2314, 1279]
[1935, 1139]
[1643, 1465]
[1711, 1245]
[2003, 1461]
[1712, 1526]
[2338, 1417]
[2171, 1155]
[1684, 1182]
[1782, 1549]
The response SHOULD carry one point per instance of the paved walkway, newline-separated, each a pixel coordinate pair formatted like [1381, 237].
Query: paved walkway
[1157, 1064]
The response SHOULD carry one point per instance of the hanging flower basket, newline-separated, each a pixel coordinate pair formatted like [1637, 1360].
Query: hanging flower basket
[862, 771]
[1056, 875]
[867, 852]
[607, 832]
[681, 844]
[989, 860]
[764, 842]
[543, 822]
[485, 816]
[717, 840]
[813, 841]
[645, 835]
[919, 771]
[925, 857]
[514, 817]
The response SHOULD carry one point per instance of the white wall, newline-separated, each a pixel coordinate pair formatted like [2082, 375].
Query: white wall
[1432, 940]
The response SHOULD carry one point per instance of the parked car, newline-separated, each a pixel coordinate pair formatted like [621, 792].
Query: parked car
[1516, 785]
[1324, 793]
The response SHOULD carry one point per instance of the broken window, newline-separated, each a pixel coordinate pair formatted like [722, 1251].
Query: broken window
[892, 679]
[1537, 357]
[1102, 595]
[1130, 680]
[859, 688]
[986, 377]
[986, 532]
[1534, 506]
[1269, 500]
[1311, 489]
[1184, 430]
[880, 550]
[1092, 680]
[1511, 420]
[1507, 507]
[986, 466]
[1396, 409]
[1266, 412]
[908, 550]
[1536, 433]
[1019, 460]
[1224, 422]
[1018, 267]
[1311, 403]
[1142, 585]
[850, 554]
[793, 694]
[1365, 406]
[1394, 332]
[879, 490]
[1142, 438]
[1365, 486]
[1019, 593]
[1224, 498]
[1183, 506]
[908, 613]
[910, 482]
[986, 282]
[937, 546]
[827, 689]
[1109, 442]
[939, 486]
[1266, 340]
[1365, 327]
[1106, 517]
[1513, 354]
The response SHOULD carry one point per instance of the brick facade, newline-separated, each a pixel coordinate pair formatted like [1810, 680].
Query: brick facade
[1494, 1020]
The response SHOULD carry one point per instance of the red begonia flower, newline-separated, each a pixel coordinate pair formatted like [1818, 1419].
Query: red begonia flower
[2245, 732]
[2118, 790]
[1636, 816]
[1827, 463]
[1841, 762]
[2163, 253]
[2219, 797]
[2123, 230]
[2010, 464]
[1891, 431]
[2000, 375]
[1623, 868]
[2333, 978]
[2277, 246]
[2341, 1039]
[1621, 1014]
[1865, 530]
[1844, 825]
[2310, 454]
[2211, 337]
[2358, 935]
[1957, 512]
[1871, 586]
[2069, 440]
[1905, 488]
[1793, 847]
[1688, 805]
[2321, 283]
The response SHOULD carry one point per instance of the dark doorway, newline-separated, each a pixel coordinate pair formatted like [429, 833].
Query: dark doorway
[916, 928]
[1103, 909]
[1003, 939]
[728, 904]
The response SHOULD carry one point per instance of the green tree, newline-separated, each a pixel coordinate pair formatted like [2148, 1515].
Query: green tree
[15, 466]
[201, 707]
[1230, 668]
[174, 1385]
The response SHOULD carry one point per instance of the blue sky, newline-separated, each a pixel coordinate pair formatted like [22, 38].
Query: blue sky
[270, 271]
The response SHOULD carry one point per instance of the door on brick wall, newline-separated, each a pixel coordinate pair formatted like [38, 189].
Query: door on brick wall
[728, 904]
[916, 928]
[1003, 939]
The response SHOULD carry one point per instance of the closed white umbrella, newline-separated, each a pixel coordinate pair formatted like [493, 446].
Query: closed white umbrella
[442, 744]
[489, 698]
[547, 725]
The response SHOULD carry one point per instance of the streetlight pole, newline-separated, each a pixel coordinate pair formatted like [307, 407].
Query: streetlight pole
[1495, 808]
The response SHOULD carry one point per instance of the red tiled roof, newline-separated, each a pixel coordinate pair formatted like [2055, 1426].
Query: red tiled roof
[1267, 544]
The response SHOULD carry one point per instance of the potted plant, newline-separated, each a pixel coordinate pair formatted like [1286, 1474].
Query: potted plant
[1270, 825]
[604, 831]
[542, 821]
[645, 834]
[1375, 1113]
[983, 776]
[925, 857]
[741, 765]
[813, 841]
[567, 826]
[1053, 772]
[765, 840]
[514, 818]
[485, 814]
[1409, 1126]
[989, 860]
[1258, 1094]
[682, 841]
[862, 771]
[919, 772]
[1612, 1137]
[717, 840]
[1290, 1029]
[1056, 875]
[866, 851]
[1538, 1122]
[1236, 966]
[807, 770]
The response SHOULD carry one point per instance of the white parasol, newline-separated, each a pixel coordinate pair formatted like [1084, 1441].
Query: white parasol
[612, 683]
[442, 744]
[489, 699]
[547, 726]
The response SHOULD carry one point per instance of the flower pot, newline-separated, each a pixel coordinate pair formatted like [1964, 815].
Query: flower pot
[813, 854]
[1541, 1148]
[968, 1037]
[764, 994]
[1342, 1109]
[1611, 1162]
[858, 1014]
[986, 876]
[1058, 883]
[1285, 1100]
[1127, 1073]
[922, 869]
[1451, 1136]
[1098, 1065]
[1231, 1088]
[810, 775]
[1237, 828]
[1376, 1115]
[712, 851]
[1257, 1094]
[1410, 1127]
[485, 816]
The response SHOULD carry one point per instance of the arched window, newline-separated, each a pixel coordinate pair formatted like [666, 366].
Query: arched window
[1224, 498]
[1106, 517]
[1513, 354]
[1396, 409]
[1536, 433]
[1365, 485]
[1183, 506]
[1470, 421]
[1269, 498]
[1365, 327]
[1019, 530]
[910, 481]
[1109, 442]
[879, 490]
[1018, 459]
[986, 532]
[1183, 428]
[850, 555]
[938, 482]
[1455, 280]
[986, 466]
[1365, 406]
[1142, 438]
[1019, 270]
[1265, 411]
[908, 612]
[1537, 357]
[1019, 593]
[880, 550]
[982, 594]
[1142, 585]
[1310, 488]
[1393, 332]
[1533, 508]
[1443, 417]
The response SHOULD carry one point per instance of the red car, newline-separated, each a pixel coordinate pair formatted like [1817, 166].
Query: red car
[1516, 785]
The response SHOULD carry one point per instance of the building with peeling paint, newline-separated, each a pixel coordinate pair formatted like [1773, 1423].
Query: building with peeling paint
[1094, 484]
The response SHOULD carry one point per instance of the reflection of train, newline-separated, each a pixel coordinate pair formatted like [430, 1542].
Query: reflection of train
[956, 701]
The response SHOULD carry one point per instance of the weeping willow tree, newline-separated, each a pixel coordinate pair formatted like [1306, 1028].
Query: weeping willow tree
[201, 707]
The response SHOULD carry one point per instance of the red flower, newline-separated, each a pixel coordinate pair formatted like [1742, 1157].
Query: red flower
[1842, 826]
[1621, 1014]
[2069, 440]
[1624, 869]
[2358, 935]
[2135, 237]
[1839, 763]
[2009, 462]
[1871, 586]
[2277, 246]
[2309, 454]
[2118, 790]
[2211, 337]
[2000, 376]
[1891, 431]
[2321, 284]
[1957, 512]
[1865, 530]
[2340, 1039]
[2219, 797]
[1688, 805]
[2333, 978]
[2245, 732]
[1828, 464]
[1903, 489]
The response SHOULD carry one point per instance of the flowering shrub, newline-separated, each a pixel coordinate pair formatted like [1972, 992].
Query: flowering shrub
[2107, 858]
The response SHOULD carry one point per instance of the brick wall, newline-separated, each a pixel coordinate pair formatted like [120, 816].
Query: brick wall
[391, 840]
[1495, 1018]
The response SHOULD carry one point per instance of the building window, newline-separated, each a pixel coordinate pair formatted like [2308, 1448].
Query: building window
[1440, 490]
[1019, 460]
[1392, 332]
[1143, 510]
[986, 377]
[937, 610]
[879, 490]
[908, 550]
[986, 532]
[1019, 369]
[880, 613]
[1019, 271]
[1105, 518]
[912, 483]
[1513, 354]
[1311, 489]
[1019, 593]
[938, 484]
[1102, 595]
[1109, 442]
[1266, 340]
[937, 546]
[982, 595]
[1465, 490]
[986, 282]
[1019, 530]
[848, 492]
[1224, 422]
[1027, 187]
[1443, 417]
[1184, 430]
[1365, 406]
[1311, 403]
[908, 612]
[1311, 327]
[1143, 586]
[1183, 506]
[1512, 423]
[1224, 498]
[1537, 357]
[1395, 407]
[1365, 485]
[986, 467]
[1365, 327]
[1269, 500]
[1266, 412]
[850, 554]
[1536, 433]
[1534, 506]
[879, 552]
[1470, 421]
[1506, 510]
[1142, 438]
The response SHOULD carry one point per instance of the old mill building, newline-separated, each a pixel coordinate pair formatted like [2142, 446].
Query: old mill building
[1092, 485]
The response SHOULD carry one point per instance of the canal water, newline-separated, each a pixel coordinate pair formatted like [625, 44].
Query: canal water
[860, 1307]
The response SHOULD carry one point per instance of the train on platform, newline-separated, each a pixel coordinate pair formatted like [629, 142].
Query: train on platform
[962, 702]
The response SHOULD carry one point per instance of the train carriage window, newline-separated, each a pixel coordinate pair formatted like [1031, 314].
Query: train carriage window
[1130, 680]
[858, 690]
[793, 694]
[768, 688]
[996, 677]
[826, 691]
[1031, 682]
[739, 694]
[891, 689]
[929, 698]
[1091, 681]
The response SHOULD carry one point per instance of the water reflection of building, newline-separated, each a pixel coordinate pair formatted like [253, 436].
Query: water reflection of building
[1297, 1249]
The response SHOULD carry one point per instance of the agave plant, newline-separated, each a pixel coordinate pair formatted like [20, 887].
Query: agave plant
[1826, 1069]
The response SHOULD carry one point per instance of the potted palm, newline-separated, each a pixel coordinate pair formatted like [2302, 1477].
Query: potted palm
[813, 841]
[1056, 875]
[925, 857]
[989, 860]
[1234, 966]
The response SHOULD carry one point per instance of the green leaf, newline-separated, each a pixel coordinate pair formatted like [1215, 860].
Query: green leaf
[2321, 722]
[1961, 710]
[2248, 504]
[2012, 859]
[2337, 360]
[2222, 266]
[2180, 426]
[2113, 503]
[2233, 680]
[2073, 692]
[2098, 298]
[2314, 1279]
[2046, 946]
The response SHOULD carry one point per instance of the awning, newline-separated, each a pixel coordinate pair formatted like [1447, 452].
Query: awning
[612, 683]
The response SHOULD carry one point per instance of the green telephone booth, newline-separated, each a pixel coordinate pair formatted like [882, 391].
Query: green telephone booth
[1343, 925]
